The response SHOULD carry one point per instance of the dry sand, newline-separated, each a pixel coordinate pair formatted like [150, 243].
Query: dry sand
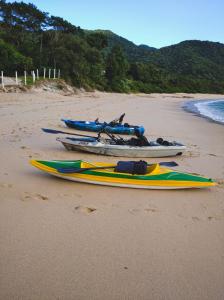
[65, 240]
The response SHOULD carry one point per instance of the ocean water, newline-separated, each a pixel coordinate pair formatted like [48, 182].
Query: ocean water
[211, 109]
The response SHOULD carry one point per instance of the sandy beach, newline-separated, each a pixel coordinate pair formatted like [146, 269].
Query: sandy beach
[66, 240]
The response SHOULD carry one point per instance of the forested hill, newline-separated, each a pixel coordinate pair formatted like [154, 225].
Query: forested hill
[199, 58]
[131, 51]
[31, 39]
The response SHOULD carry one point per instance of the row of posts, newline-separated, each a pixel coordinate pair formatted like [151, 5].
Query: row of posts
[50, 73]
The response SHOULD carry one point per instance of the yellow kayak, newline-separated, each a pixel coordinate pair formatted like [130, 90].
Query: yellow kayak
[156, 177]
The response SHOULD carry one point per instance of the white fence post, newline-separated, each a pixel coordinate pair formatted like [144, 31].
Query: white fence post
[37, 74]
[34, 77]
[2, 77]
[25, 77]
[16, 77]
[54, 73]
[49, 73]
[44, 73]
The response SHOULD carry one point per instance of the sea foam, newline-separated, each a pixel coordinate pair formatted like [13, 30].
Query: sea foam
[211, 109]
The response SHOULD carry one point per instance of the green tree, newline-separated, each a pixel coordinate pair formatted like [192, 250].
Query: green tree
[116, 68]
[11, 60]
[59, 24]
[97, 40]
[26, 16]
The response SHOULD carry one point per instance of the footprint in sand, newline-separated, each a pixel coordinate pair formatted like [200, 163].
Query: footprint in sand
[5, 185]
[29, 196]
[41, 197]
[84, 209]
[25, 197]
[151, 210]
[36, 154]
[216, 217]
[134, 211]
[209, 218]
[220, 183]
[211, 154]
[193, 154]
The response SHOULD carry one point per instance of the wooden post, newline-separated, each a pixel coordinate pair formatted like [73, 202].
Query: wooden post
[2, 77]
[49, 73]
[37, 74]
[16, 78]
[44, 73]
[25, 77]
[54, 73]
[59, 73]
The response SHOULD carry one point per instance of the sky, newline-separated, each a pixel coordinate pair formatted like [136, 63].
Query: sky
[155, 23]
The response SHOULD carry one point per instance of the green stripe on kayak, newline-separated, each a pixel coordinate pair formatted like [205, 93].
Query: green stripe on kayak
[176, 176]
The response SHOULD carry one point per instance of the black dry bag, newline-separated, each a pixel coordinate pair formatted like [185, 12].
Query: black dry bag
[132, 167]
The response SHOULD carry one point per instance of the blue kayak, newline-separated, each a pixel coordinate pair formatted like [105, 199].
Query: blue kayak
[104, 127]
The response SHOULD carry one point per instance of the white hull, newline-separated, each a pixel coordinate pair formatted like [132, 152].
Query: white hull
[124, 150]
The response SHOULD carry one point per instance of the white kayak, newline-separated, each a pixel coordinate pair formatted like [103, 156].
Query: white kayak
[108, 147]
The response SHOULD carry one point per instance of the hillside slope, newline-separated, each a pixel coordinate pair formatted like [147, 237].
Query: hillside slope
[132, 51]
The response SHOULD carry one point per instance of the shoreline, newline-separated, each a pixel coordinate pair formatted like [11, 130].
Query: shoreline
[190, 107]
[67, 240]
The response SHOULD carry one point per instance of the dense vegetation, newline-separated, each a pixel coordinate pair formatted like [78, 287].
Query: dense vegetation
[31, 39]
[131, 51]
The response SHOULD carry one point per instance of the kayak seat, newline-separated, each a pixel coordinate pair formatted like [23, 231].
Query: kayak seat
[155, 168]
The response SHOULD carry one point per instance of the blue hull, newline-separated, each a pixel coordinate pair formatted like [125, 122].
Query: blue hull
[96, 127]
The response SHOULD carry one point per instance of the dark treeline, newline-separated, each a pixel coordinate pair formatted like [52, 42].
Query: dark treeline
[31, 39]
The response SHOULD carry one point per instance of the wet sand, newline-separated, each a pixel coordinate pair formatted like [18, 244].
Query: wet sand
[66, 240]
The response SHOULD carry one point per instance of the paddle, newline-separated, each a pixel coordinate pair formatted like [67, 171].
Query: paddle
[80, 170]
[53, 131]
